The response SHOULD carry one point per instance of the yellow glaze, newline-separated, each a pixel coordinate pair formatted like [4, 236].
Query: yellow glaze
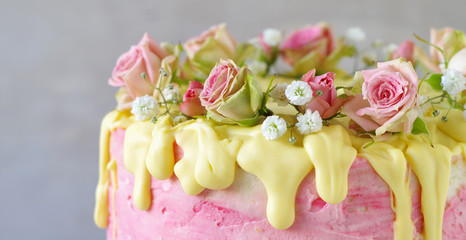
[332, 160]
[281, 167]
[111, 121]
[390, 163]
[432, 167]
[211, 153]
[455, 127]
[160, 159]
[137, 141]
[112, 167]
[208, 162]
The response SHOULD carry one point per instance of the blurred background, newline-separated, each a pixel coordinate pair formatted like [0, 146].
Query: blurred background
[55, 61]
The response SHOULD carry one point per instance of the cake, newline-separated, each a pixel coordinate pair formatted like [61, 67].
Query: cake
[217, 145]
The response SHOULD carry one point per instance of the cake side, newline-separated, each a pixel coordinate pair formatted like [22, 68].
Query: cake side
[238, 212]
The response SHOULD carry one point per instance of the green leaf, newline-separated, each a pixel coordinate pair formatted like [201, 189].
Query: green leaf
[419, 126]
[248, 122]
[434, 81]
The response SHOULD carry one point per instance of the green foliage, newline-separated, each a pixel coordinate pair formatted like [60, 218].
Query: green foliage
[434, 81]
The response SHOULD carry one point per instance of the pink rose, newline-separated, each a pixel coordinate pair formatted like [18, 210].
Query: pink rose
[405, 50]
[145, 57]
[388, 99]
[312, 44]
[232, 94]
[191, 105]
[328, 103]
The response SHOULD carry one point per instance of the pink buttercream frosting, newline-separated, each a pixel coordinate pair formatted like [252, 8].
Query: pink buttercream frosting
[238, 212]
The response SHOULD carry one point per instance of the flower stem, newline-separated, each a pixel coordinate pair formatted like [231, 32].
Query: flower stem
[165, 102]
[144, 76]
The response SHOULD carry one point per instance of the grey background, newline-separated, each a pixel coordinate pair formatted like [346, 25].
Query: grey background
[56, 57]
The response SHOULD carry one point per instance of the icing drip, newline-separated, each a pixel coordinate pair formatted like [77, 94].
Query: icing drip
[281, 167]
[110, 122]
[112, 167]
[211, 153]
[213, 159]
[455, 127]
[432, 167]
[331, 166]
[160, 158]
[390, 163]
[137, 141]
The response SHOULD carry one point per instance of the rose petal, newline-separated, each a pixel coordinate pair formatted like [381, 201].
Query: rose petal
[352, 106]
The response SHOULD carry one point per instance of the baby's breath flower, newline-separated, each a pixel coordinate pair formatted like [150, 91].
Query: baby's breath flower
[255, 42]
[179, 119]
[355, 35]
[272, 37]
[171, 92]
[390, 48]
[453, 82]
[273, 127]
[278, 94]
[145, 108]
[298, 92]
[309, 122]
[257, 67]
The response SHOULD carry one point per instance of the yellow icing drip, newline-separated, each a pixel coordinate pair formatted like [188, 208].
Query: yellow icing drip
[390, 163]
[111, 121]
[160, 158]
[281, 167]
[211, 153]
[137, 141]
[208, 162]
[332, 159]
[432, 167]
[112, 168]
[455, 127]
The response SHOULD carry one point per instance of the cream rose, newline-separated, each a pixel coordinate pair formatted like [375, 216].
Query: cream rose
[232, 94]
[205, 50]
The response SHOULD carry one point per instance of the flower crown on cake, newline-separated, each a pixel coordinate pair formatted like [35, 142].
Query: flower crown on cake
[218, 79]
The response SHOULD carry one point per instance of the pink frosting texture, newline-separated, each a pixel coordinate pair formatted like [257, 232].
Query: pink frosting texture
[238, 212]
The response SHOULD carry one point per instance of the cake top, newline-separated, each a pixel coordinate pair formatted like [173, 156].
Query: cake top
[220, 79]
[224, 103]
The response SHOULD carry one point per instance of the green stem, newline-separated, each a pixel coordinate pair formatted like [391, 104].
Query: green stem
[420, 83]
[165, 102]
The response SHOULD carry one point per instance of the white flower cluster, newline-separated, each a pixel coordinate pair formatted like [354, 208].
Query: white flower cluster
[278, 95]
[355, 34]
[273, 127]
[390, 48]
[310, 122]
[272, 37]
[172, 92]
[179, 119]
[144, 108]
[453, 82]
[257, 67]
[298, 92]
